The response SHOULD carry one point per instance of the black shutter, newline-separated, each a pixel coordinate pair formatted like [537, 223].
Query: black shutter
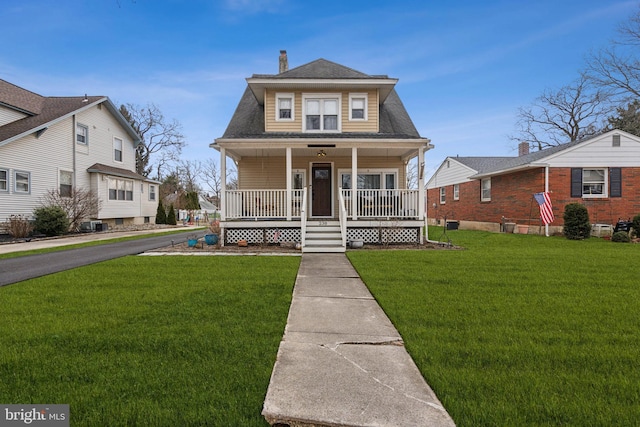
[615, 182]
[576, 182]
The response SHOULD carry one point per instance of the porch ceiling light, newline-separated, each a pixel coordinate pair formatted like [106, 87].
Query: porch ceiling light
[321, 153]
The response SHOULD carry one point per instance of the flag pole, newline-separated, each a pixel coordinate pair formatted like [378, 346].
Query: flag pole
[546, 190]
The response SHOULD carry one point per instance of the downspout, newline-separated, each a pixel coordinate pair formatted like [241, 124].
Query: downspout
[73, 150]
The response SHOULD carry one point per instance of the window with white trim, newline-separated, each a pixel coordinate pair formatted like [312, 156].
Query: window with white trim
[485, 188]
[443, 195]
[456, 191]
[594, 182]
[120, 189]
[4, 180]
[152, 192]
[22, 182]
[358, 106]
[66, 183]
[298, 179]
[117, 149]
[82, 134]
[284, 107]
[371, 180]
[321, 112]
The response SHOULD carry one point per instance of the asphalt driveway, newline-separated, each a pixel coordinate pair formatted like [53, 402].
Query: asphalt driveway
[15, 270]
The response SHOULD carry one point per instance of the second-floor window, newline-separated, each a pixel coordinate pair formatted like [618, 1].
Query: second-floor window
[357, 106]
[321, 113]
[152, 192]
[284, 107]
[117, 149]
[82, 134]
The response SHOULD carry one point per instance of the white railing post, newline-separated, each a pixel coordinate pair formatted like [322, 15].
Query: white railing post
[343, 217]
[303, 217]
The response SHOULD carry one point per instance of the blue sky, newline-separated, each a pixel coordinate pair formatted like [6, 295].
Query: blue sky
[464, 67]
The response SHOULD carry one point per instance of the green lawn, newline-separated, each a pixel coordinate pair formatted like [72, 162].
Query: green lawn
[511, 331]
[148, 341]
[519, 330]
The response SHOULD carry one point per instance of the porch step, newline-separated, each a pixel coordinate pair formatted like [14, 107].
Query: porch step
[323, 237]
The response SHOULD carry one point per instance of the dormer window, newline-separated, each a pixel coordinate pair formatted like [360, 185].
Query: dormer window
[284, 107]
[321, 112]
[357, 106]
[82, 134]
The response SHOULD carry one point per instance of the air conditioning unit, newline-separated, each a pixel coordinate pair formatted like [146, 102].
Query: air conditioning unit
[96, 225]
[86, 226]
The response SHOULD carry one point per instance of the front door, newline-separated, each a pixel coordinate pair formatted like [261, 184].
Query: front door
[321, 190]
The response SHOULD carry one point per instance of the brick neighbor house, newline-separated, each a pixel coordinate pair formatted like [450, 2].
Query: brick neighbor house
[602, 172]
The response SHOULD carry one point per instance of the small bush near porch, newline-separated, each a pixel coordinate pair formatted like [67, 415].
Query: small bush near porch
[148, 341]
[518, 330]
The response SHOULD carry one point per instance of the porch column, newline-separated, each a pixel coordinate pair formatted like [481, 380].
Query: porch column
[288, 186]
[354, 182]
[421, 194]
[223, 183]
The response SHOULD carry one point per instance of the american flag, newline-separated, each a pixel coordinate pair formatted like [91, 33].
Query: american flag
[546, 210]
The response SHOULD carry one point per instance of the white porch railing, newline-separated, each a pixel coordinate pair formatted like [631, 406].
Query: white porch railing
[269, 204]
[256, 204]
[383, 203]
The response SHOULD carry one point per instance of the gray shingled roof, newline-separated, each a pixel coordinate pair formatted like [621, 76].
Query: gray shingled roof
[320, 69]
[248, 119]
[44, 110]
[482, 164]
[113, 171]
[488, 165]
[51, 109]
[19, 98]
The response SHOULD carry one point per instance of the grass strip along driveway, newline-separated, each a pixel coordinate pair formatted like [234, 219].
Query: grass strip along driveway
[519, 330]
[148, 341]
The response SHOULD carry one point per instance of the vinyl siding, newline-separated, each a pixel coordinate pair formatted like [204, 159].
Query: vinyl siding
[8, 115]
[44, 157]
[450, 172]
[600, 153]
[369, 125]
[268, 173]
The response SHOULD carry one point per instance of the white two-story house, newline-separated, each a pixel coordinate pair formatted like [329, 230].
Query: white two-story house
[62, 143]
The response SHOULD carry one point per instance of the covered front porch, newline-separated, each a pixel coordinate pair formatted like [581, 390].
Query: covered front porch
[303, 193]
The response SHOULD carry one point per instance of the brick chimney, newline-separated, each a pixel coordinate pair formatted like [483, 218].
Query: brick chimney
[523, 149]
[283, 62]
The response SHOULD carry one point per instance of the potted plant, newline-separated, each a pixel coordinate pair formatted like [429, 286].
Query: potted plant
[213, 237]
[192, 240]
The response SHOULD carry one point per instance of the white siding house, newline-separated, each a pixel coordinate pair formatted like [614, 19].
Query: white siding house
[60, 143]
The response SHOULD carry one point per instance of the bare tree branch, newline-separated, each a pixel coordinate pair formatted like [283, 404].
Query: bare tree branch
[157, 133]
[80, 205]
[573, 112]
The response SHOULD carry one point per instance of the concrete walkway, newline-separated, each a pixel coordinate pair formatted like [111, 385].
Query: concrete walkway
[341, 362]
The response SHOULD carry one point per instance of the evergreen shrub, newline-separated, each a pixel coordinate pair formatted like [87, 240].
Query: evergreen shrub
[51, 221]
[576, 222]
